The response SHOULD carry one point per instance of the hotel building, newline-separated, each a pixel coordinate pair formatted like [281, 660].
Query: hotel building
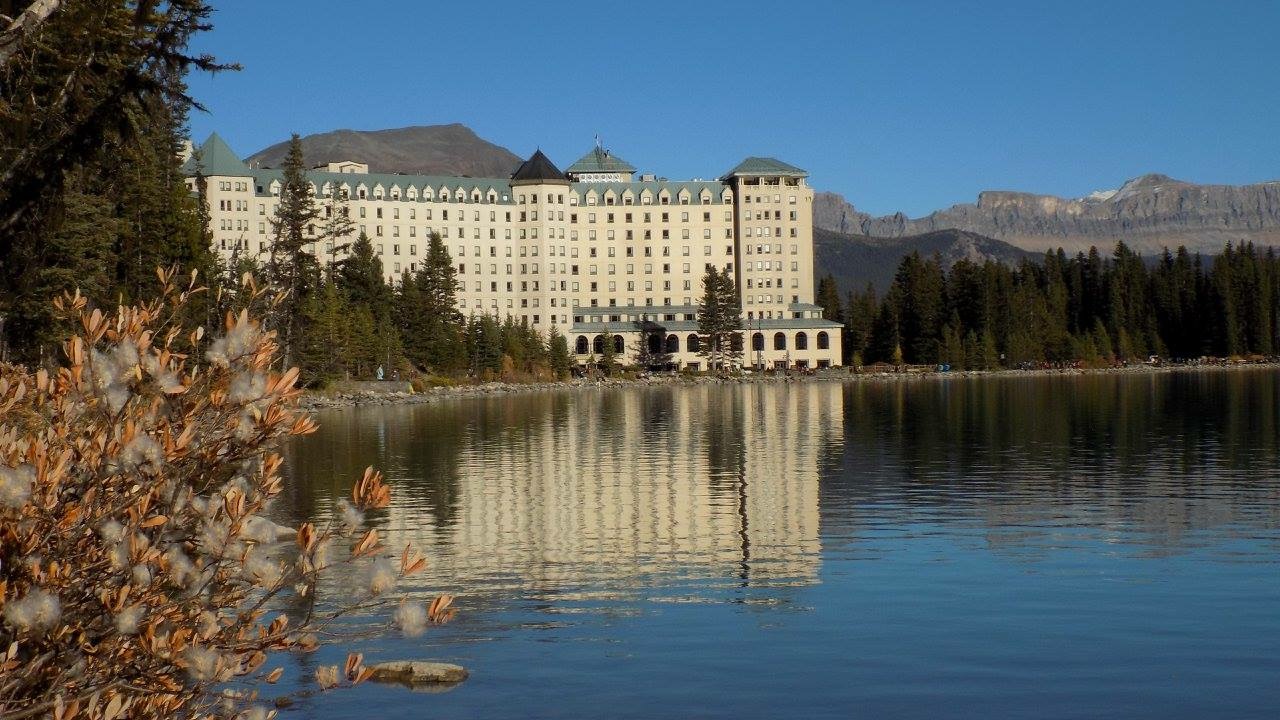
[595, 251]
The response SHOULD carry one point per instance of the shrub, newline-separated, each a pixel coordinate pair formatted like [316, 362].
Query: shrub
[137, 566]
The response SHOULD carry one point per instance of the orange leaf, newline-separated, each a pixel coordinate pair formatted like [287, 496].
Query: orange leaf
[367, 544]
[354, 661]
[306, 536]
[439, 612]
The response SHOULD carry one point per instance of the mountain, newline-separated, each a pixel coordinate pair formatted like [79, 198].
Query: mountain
[1148, 213]
[856, 260]
[421, 150]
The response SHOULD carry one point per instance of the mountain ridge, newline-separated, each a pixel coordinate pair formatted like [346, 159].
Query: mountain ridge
[450, 149]
[857, 260]
[1149, 212]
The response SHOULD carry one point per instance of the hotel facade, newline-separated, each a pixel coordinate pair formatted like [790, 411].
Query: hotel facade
[597, 252]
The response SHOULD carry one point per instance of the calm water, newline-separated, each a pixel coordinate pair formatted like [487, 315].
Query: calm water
[967, 548]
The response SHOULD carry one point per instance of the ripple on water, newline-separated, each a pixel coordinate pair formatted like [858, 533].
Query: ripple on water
[1082, 547]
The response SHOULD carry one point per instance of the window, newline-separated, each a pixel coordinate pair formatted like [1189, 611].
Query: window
[802, 341]
[779, 341]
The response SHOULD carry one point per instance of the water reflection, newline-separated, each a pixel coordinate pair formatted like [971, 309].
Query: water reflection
[996, 547]
[591, 493]
[1142, 459]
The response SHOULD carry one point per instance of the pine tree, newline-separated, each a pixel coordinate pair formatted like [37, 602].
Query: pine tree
[484, 343]
[324, 351]
[990, 355]
[159, 222]
[106, 224]
[291, 269]
[83, 78]
[338, 225]
[828, 298]
[885, 343]
[560, 359]
[360, 276]
[608, 362]
[719, 320]
[436, 340]
[859, 319]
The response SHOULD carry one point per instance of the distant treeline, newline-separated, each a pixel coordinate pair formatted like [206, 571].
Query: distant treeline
[1087, 308]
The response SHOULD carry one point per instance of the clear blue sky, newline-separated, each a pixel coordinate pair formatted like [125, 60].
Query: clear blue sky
[906, 106]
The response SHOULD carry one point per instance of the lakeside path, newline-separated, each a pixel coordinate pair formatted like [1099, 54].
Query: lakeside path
[369, 393]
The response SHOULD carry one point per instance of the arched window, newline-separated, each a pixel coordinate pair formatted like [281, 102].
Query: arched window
[802, 341]
[597, 345]
[779, 341]
[757, 342]
[824, 343]
[735, 342]
[618, 346]
[693, 343]
[655, 343]
[582, 346]
[673, 344]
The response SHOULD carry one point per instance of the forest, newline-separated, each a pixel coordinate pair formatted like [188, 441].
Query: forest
[1089, 309]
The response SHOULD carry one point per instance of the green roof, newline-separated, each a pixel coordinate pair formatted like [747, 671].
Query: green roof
[765, 166]
[215, 157]
[600, 160]
[695, 188]
[499, 186]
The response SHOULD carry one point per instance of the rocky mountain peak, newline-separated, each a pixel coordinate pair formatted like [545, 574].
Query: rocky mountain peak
[1148, 213]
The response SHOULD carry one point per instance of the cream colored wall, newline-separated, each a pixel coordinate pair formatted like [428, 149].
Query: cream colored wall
[659, 271]
[775, 228]
[517, 257]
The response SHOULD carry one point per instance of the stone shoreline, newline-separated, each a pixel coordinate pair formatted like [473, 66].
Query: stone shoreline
[333, 400]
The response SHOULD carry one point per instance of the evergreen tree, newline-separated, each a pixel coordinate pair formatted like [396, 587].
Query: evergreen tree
[885, 344]
[82, 78]
[159, 222]
[828, 298]
[291, 269]
[338, 225]
[608, 362]
[859, 319]
[430, 324]
[560, 358]
[918, 295]
[324, 351]
[360, 276]
[110, 203]
[485, 348]
[719, 319]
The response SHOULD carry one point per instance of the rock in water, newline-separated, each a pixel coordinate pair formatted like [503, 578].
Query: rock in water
[417, 672]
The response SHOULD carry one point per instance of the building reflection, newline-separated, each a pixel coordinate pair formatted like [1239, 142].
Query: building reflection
[605, 491]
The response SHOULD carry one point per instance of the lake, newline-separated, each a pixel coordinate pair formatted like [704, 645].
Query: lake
[1016, 547]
